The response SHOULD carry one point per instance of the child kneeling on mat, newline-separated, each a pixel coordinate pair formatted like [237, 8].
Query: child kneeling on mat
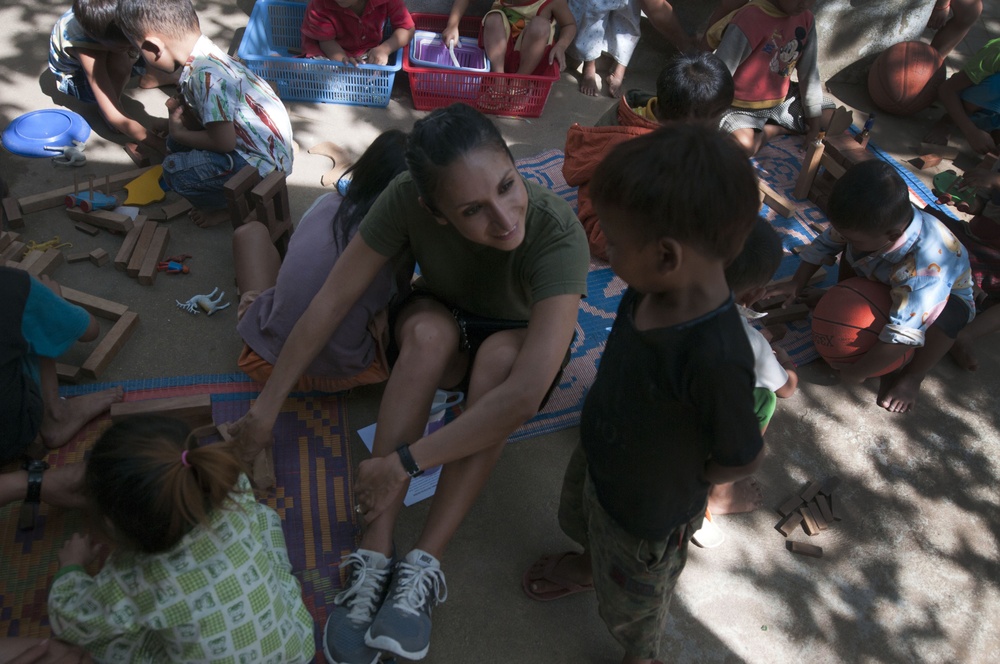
[226, 117]
[881, 236]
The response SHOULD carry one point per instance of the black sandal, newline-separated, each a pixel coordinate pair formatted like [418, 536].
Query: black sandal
[33, 497]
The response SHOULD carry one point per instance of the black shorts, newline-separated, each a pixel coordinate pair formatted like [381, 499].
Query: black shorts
[953, 317]
[20, 411]
[473, 331]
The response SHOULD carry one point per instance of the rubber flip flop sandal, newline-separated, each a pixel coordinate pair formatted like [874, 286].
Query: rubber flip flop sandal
[709, 535]
[544, 570]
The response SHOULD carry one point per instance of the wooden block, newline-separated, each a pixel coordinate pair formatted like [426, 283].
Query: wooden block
[157, 248]
[842, 119]
[12, 213]
[86, 228]
[804, 549]
[237, 190]
[788, 524]
[808, 523]
[109, 346]
[811, 490]
[829, 484]
[817, 516]
[55, 198]
[831, 166]
[13, 252]
[47, 263]
[792, 312]
[170, 211]
[29, 259]
[836, 507]
[78, 257]
[141, 246]
[67, 373]
[115, 222]
[824, 508]
[99, 257]
[790, 505]
[810, 164]
[5, 239]
[128, 245]
[774, 200]
[195, 411]
[926, 161]
[943, 151]
[98, 306]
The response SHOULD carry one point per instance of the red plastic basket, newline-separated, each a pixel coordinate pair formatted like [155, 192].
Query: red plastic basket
[497, 94]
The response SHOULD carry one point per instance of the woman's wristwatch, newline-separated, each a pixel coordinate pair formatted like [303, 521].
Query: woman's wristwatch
[409, 464]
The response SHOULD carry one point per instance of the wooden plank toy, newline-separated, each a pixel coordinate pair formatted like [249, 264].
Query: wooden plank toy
[154, 254]
[57, 197]
[141, 246]
[195, 410]
[128, 245]
[804, 549]
[109, 221]
[109, 346]
[99, 257]
[12, 213]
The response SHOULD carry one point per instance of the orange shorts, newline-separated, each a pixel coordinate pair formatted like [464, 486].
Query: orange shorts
[260, 369]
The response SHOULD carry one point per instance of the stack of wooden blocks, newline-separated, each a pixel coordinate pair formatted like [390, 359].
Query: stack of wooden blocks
[142, 250]
[14, 253]
[835, 154]
[815, 509]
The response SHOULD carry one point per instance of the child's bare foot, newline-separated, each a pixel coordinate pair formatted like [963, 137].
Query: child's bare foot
[614, 84]
[208, 218]
[63, 419]
[589, 85]
[897, 392]
[961, 351]
[735, 497]
[559, 575]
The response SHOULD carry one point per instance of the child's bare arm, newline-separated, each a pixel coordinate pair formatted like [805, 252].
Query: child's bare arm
[661, 15]
[716, 474]
[791, 288]
[788, 389]
[334, 51]
[399, 38]
[96, 67]
[567, 32]
[216, 136]
[450, 32]
[872, 363]
[949, 94]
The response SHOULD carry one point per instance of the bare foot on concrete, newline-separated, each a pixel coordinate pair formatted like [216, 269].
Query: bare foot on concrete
[208, 218]
[897, 392]
[961, 351]
[614, 80]
[735, 497]
[589, 85]
[63, 419]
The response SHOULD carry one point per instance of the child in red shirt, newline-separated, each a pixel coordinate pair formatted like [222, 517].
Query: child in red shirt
[350, 31]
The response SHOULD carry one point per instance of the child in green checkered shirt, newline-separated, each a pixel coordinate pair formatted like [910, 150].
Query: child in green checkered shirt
[199, 570]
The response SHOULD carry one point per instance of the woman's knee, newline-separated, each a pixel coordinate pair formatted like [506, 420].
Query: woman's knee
[249, 233]
[428, 335]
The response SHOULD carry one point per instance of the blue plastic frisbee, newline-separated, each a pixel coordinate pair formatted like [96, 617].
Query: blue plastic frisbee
[28, 134]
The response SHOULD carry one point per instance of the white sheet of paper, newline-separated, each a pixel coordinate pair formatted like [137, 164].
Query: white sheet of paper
[420, 487]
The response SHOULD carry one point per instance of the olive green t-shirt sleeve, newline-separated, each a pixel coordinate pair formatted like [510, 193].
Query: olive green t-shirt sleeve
[562, 255]
[384, 228]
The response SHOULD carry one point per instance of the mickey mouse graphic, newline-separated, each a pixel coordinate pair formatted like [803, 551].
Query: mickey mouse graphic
[786, 57]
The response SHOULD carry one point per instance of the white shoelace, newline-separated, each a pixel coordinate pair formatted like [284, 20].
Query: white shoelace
[365, 590]
[415, 582]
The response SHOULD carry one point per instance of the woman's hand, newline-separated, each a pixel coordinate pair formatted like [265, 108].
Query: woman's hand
[251, 435]
[80, 550]
[380, 481]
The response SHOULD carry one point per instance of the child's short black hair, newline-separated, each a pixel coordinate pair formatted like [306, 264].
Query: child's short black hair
[97, 18]
[173, 18]
[870, 197]
[693, 86]
[686, 181]
[760, 258]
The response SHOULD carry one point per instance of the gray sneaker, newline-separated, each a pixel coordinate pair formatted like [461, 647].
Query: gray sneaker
[355, 607]
[403, 624]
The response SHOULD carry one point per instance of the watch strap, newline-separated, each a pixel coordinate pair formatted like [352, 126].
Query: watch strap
[409, 463]
[33, 495]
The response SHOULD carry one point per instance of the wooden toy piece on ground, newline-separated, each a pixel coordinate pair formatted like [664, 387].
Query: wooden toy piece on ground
[788, 524]
[810, 165]
[929, 160]
[67, 373]
[125, 322]
[146, 189]
[78, 257]
[11, 247]
[195, 410]
[168, 212]
[114, 222]
[99, 257]
[38, 262]
[84, 227]
[341, 162]
[841, 119]
[12, 214]
[157, 248]
[91, 199]
[270, 199]
[774, 200]
[804, 549]
[141, 247]
[50, 199]
[128, 244]
[237, 192]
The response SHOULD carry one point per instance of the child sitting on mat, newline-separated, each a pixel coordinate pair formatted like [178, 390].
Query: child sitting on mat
[972, 99]
[351, 31]
[199, 571]
[227, 117]
[774, 371]
[671, 409]
[763, 43]
[881, 236]
[519, 36]
[93, 61]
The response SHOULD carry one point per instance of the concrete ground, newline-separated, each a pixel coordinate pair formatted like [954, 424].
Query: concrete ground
[910, 575]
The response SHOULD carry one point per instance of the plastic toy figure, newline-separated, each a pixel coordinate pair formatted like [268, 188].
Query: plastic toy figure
[205, 302]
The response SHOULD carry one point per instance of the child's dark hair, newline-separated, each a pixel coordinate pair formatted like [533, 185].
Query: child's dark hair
[686, 181]
[173, 18]
[384, 159]
[97, 18]
[442, 137]
[153, 482]
[870, 197]
[693, 86]
[760, 258]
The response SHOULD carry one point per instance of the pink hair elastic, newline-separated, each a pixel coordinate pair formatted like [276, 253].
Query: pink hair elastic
[184, 459]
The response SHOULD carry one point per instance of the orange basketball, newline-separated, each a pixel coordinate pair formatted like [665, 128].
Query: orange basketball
[848, 319]
[905, 77]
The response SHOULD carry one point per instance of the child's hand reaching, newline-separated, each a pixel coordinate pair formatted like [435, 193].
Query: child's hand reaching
[558, 53]
[981, 179]
[80, 550]
[379, 55]
[981, 141]
[788, 289]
